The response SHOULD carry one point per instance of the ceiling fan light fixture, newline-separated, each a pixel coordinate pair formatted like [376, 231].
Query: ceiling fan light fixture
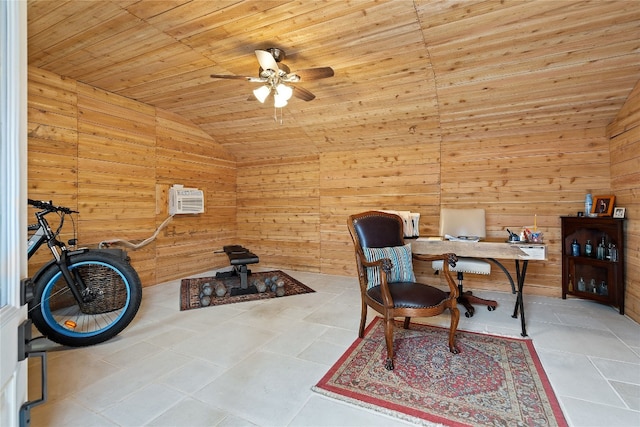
[279, 101]
[284, 91]
[292, 78]
[275, 78]
[261, 93]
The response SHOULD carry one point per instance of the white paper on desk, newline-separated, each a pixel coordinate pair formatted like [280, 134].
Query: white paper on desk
[410, 222]
[462, 238]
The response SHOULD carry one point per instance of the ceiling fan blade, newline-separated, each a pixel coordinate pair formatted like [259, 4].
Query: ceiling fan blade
[224, 76]
[315, 73]
[249, 79]
[266, 60]
[302, 93]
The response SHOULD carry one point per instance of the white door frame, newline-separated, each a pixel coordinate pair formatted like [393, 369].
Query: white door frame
[13, 191]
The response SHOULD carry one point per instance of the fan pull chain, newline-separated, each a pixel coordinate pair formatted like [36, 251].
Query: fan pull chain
[275, 115]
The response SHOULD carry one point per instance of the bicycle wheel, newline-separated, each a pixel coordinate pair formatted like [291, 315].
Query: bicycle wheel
[60, 317]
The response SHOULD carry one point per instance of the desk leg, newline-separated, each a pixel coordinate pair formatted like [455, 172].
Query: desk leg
[506, 273]
[520, 299]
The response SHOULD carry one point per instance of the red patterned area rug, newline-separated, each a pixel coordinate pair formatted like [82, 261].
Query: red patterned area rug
[201, 292]
[493, 381]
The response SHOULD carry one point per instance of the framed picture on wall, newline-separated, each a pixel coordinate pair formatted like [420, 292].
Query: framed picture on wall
[603, 205]
[618, 212]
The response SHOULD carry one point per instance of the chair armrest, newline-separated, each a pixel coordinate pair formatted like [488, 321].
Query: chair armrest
[384, 265]
[450, 260]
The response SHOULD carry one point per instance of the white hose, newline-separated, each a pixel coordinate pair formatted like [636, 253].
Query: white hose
[134, 246]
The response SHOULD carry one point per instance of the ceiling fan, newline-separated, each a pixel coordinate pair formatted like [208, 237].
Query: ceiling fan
[277, 78]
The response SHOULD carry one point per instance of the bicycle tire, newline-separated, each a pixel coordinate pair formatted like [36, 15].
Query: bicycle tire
[62, 319]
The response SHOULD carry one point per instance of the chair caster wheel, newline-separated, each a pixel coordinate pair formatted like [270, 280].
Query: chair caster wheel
[491, 307]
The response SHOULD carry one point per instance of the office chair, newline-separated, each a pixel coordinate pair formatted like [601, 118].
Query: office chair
[387, 280]
[468, 223]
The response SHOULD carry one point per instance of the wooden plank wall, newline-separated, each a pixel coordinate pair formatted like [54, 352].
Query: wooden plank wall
[52, 168]
[293, 211]
[114, 159]
[523, 179]
[116, 173]
[406, 178]
[625, 183]
[279, 211]
[186, 155]
[513, 178]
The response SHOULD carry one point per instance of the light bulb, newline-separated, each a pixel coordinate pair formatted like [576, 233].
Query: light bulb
[279, 101]
[261, 93]
[284, 91]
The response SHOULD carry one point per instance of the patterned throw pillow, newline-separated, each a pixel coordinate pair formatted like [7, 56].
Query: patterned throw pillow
[402, 266]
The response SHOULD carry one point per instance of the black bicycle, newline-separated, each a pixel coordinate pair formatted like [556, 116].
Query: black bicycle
[81, 297]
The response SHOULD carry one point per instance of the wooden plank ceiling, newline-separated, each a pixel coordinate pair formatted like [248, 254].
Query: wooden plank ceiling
[406, 72]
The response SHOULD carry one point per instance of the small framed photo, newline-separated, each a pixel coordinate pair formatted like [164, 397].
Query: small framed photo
[603, 205]
[618, 212]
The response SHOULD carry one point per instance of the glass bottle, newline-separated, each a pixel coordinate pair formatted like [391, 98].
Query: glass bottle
[588, 249]
[581, 285]
[613, 252]
[603, 289]
[600, 254]
[575, 248]
[592, 286]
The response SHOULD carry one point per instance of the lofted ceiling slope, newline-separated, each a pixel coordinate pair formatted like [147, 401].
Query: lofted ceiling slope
[406, 72]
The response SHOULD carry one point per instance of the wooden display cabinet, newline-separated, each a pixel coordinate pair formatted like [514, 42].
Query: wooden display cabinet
[602, 279]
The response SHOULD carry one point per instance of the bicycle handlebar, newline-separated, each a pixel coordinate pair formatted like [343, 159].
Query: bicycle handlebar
[49, 206]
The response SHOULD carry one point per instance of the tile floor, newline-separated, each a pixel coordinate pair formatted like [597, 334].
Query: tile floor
[253, 364]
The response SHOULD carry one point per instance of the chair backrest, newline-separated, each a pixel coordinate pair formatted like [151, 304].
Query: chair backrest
[463, 222]
[375, 229]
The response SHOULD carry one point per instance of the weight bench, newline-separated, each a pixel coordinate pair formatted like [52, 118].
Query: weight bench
[239, 257]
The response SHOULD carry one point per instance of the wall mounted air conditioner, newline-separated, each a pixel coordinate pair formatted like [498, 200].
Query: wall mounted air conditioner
[185, 200]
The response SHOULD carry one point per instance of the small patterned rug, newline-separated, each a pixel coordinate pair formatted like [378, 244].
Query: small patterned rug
[493, 381]
[201, 291]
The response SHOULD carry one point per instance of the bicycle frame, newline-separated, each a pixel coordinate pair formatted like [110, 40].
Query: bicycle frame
[43, 233]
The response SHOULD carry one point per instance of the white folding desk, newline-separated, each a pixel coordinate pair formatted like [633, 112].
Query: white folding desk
[491, 250]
